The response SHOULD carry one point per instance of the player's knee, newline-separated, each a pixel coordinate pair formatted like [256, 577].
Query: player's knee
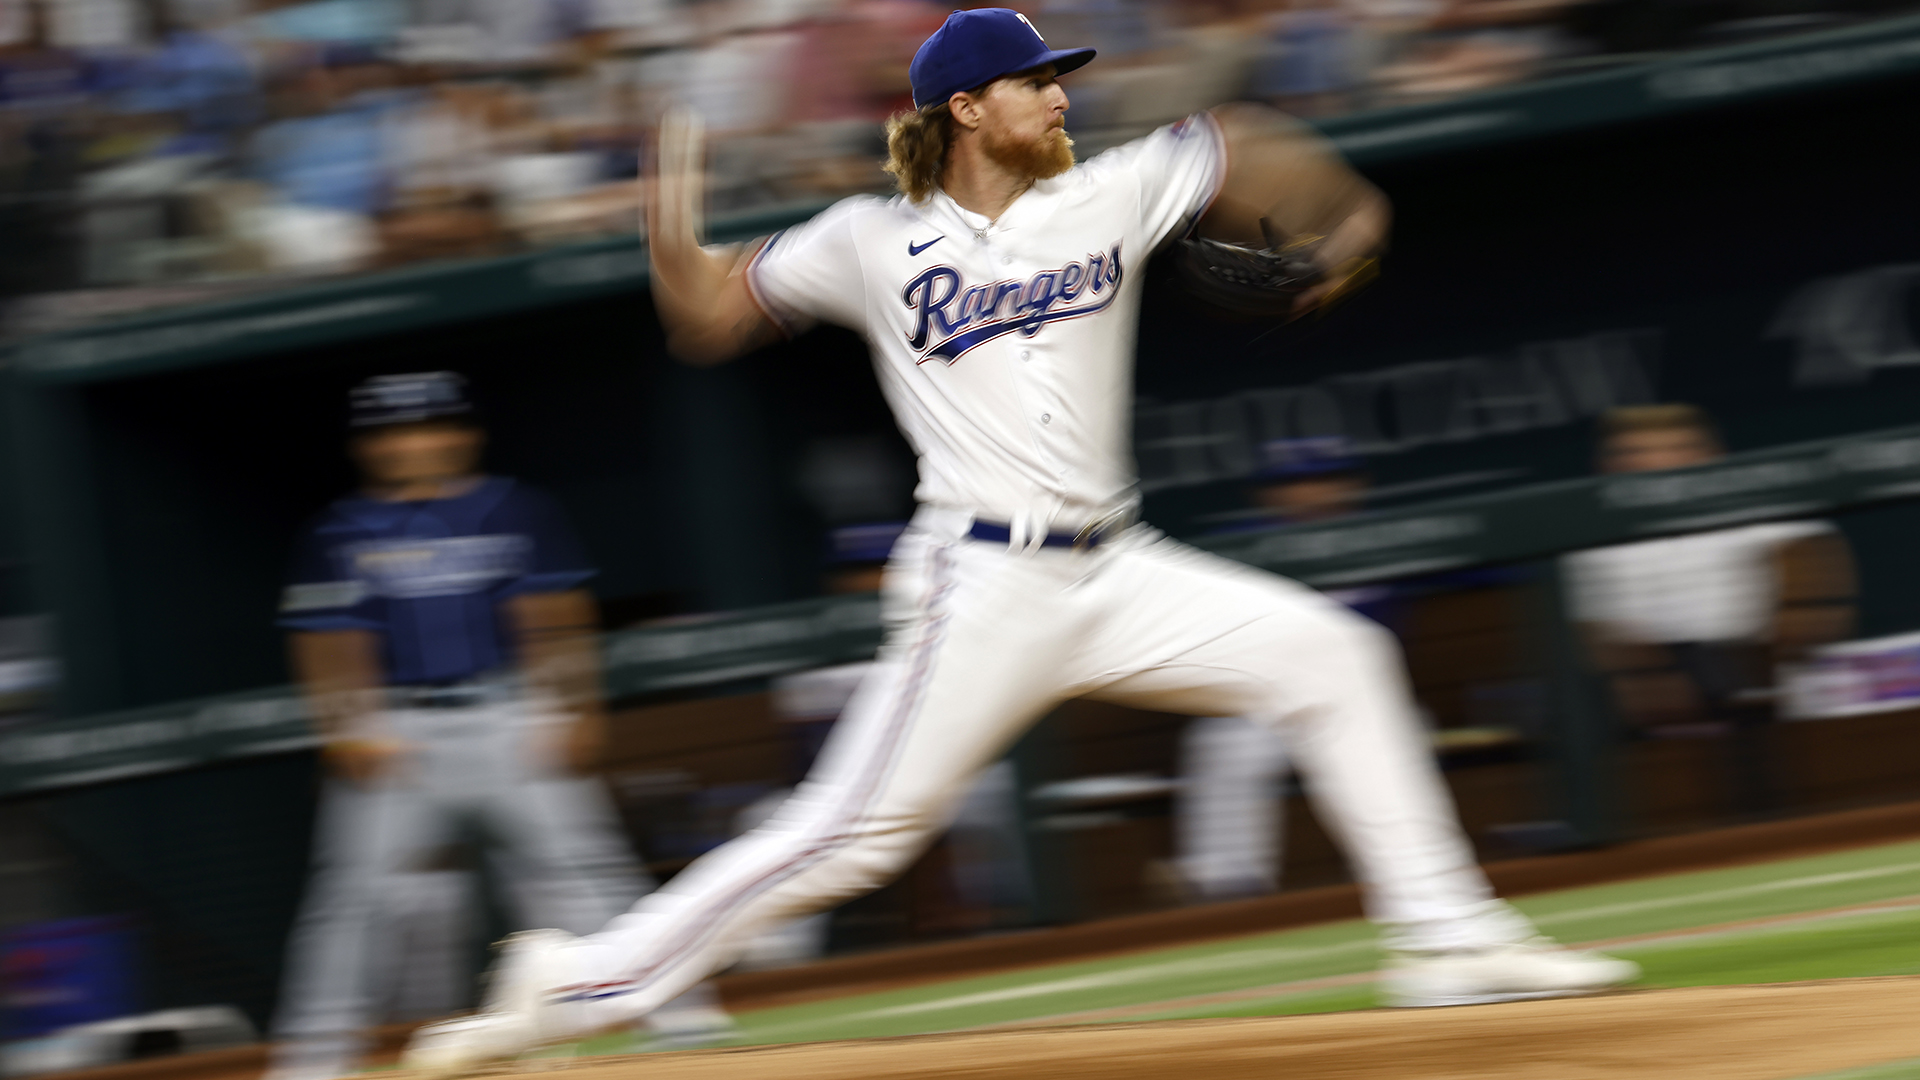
[874, 861]
[1372, 639]
[883, 859]
[1348, 637]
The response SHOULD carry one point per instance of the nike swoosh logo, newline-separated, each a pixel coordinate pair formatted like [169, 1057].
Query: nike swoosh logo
[915, 249]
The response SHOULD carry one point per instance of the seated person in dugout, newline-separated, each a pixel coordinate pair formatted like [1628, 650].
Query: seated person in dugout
[1689, 629]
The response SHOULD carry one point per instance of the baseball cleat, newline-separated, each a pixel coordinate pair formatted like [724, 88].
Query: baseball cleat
[1537, 968]
[689, 1027]
[515, 1016]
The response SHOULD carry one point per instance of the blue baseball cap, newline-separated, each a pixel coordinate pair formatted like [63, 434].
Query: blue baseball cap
[973, 48]
[409, 399]
[1297, 459]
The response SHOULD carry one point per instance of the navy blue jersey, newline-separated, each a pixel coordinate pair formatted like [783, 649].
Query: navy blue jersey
[429, 577]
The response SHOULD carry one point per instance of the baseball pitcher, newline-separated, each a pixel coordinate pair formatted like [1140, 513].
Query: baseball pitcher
[999, 294]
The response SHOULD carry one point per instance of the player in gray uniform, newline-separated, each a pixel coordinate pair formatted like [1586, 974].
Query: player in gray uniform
[999, 295]
[442, 635]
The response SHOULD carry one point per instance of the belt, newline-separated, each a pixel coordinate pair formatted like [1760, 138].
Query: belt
[1088, 538]
[457, 695]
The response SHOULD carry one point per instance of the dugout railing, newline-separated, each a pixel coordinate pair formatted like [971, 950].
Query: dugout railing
[738, 649]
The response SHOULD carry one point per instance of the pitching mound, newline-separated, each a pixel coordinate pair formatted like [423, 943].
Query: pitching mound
[1771, 1032]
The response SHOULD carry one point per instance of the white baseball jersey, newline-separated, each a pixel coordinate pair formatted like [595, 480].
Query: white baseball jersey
[1713, 586]
[1005, 347]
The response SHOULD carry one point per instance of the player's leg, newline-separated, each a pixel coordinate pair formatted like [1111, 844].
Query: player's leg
[423, 963]
[1190, 632]
[797, 940]
[566, 862]
[365, 836]
[1227, 816]
[977, 644]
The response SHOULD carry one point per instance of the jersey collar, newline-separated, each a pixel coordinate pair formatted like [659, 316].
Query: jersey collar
[1036, 200]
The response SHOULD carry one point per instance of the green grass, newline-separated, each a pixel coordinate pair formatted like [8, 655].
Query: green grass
[1851, 946]
[1858, 945]
[1679, 901]
[1140, 978]
[1892, 1070]
[1161, 984]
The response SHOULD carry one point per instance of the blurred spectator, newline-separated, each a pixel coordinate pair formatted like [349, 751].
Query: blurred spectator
[501, 32]
[199, 74]
[1689, 629]
[218, 140]
[1467, 45]
[373, 24]
[447, 648]
[1119, 29]
[326, 162]
[44, 107]
[1310, 67]
[39, 78]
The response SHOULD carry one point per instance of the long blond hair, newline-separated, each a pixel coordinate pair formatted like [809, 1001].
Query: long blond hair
[917, 141]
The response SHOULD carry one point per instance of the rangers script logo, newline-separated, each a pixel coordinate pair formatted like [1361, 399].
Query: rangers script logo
[957, 317]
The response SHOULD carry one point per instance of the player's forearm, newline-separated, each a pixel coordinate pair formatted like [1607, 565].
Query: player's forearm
[558, 642]
[703, 302]
[341, 675]
[701, 294]
[687, 283]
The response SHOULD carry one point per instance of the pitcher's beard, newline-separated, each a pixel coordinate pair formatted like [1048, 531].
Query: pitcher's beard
[1048, 156]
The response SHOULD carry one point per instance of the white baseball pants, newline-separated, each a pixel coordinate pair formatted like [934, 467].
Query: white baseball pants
[982, 642]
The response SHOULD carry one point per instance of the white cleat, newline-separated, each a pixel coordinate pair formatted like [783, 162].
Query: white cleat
[690, 1027]
[1539, 968]
[514, 1018]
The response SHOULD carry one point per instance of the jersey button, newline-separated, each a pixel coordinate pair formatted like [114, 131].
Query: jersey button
[1025, 355]
[1008, 260]
[1046, 418]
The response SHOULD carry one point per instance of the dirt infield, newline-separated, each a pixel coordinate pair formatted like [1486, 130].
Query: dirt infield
[1774, 1032]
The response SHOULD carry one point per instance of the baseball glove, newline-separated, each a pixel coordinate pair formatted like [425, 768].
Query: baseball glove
[1263, 282]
